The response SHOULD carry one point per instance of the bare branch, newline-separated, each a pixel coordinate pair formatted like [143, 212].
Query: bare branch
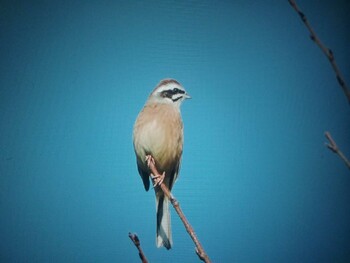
[328, 52]
[334, 148]
[134, 238]
[199, 249]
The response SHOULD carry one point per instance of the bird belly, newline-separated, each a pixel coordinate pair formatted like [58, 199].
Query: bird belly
[158, 132]
[155, 141]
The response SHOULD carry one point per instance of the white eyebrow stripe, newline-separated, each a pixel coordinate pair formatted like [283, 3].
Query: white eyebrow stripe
[168, 84]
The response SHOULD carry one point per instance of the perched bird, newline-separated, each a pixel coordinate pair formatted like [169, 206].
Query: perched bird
[158, 132]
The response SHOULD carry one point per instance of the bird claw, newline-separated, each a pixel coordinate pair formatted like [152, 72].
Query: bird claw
[158, 179]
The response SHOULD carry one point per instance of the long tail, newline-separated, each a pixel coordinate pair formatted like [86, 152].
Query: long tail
[163, 222]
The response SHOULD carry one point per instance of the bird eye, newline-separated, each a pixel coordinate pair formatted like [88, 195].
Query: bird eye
[176, 90]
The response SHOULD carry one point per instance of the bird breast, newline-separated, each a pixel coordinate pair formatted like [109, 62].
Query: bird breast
[159, 131]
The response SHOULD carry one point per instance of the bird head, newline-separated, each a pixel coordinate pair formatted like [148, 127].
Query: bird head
[169, 91]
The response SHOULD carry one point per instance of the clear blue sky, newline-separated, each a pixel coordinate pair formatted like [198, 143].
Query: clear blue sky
[256, 182]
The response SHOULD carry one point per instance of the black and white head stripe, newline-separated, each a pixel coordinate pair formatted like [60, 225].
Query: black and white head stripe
[171, 89]
[174, 94]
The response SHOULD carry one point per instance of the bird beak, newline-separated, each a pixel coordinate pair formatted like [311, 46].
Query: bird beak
[186, 96]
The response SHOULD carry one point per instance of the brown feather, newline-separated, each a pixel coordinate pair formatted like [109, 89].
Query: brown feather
[158, 131]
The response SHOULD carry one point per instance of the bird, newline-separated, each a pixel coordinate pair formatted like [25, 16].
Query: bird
[158, 133]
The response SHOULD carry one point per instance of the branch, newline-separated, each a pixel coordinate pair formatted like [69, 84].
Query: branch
[334, 148]
[134, 238]
[328, 52]
[199, 249]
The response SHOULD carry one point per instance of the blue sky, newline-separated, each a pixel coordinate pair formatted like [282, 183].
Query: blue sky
[256, 181]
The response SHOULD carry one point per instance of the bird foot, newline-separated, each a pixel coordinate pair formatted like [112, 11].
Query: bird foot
[149, 159]
[158, 179]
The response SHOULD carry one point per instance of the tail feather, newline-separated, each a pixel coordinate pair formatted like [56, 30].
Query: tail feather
[164, 237]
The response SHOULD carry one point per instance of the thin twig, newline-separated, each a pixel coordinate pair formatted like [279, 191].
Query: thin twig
[134, 238]
[199, 249]
[327, 51]
[334, 148]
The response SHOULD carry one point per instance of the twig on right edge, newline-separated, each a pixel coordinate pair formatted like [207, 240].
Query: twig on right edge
[134, 238]
[334, 148]
[327, 51]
